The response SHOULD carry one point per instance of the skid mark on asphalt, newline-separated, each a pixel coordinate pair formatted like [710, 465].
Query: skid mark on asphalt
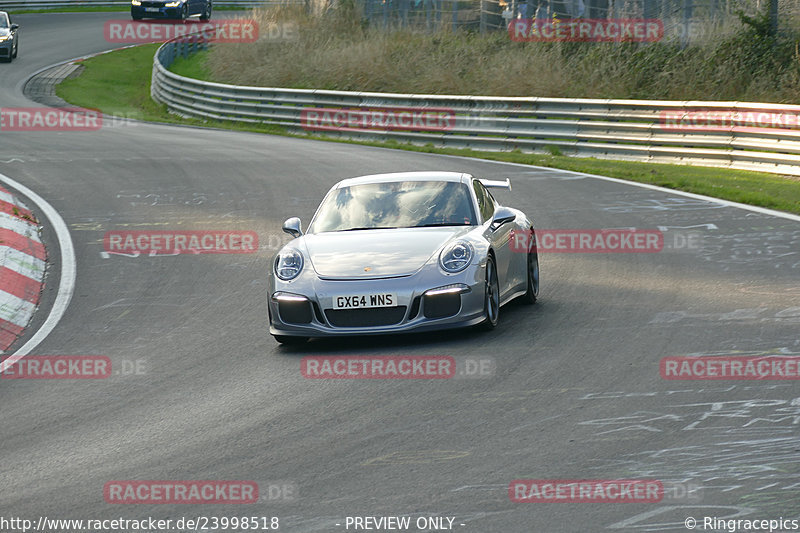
[776, 249]
[746, 315]
[750, 456]
[520, 395]
[658, 204]
[419, 457]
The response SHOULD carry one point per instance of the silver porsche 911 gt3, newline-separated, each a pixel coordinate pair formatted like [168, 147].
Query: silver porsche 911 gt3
[400, 252]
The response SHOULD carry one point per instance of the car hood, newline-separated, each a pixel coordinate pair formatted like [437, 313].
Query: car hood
[376, 253]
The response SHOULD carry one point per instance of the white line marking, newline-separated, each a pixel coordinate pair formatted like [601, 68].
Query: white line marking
[726, 203]
[68, 271]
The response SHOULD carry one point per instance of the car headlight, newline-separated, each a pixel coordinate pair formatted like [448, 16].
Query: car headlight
[173, 4]
[456, 256]
[136, 2]
[4, 38]
[288, 264]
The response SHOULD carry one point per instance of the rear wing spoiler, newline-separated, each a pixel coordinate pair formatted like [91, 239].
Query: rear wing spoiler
[495, 184]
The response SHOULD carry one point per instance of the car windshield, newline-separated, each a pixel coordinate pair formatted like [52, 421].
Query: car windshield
[397, 204]
[3, 20]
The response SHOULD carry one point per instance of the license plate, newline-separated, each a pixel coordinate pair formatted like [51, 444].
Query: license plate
[151, 9]
[363, 301]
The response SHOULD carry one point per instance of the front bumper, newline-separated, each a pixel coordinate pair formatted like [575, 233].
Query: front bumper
[6, 48]
[306, 309]
[162, 13]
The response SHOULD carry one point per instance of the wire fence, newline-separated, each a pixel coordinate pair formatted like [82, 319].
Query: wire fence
[683, 20]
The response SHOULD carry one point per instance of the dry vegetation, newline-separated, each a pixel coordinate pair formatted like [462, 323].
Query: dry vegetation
[738, 61]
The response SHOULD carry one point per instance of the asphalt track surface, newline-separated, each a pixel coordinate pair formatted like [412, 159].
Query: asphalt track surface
[576, 393]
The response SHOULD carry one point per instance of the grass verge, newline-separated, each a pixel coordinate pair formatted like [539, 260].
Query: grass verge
[192, 67]
[738, 58]
[118, 83]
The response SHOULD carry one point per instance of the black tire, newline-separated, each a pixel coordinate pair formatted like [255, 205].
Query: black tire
[289, 340]
[185, 11]
[16, 49]
[532, 294]
[207, 12]
[491, 300]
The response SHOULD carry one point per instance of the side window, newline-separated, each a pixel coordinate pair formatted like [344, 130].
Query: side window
[491, 200]
[485, 201]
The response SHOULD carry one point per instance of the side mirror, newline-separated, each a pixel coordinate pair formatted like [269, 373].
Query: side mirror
[14, 27]
[292, 227]
[503, 215]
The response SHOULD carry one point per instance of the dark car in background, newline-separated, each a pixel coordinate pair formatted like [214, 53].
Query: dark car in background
[170, 9]
[9, 38]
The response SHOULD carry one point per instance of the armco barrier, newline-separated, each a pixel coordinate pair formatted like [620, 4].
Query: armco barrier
[612, 129]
